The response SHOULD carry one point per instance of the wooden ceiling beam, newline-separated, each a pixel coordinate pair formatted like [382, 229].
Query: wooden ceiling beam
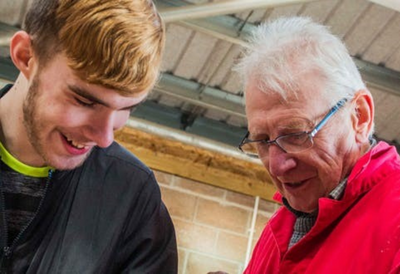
[198, 164]
[172, 13]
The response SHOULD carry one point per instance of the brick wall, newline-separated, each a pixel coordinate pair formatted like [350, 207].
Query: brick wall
[212, 224]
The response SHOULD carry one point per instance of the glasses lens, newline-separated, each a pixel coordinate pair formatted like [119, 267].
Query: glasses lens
[295, 142]
[250, 149]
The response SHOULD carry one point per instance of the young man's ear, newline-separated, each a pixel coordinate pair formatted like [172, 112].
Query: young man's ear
[362, 115]
[21, 52]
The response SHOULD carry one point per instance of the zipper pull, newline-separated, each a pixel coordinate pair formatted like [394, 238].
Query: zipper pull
[7, 251]
[50, 173]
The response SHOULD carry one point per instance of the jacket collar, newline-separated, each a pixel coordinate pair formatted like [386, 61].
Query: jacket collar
[365, 169]
[369, 168]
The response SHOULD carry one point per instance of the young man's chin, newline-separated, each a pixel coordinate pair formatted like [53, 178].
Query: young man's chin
[68, 163]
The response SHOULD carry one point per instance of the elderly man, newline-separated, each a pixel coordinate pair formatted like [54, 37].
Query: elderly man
[73, 200]
[310, 121]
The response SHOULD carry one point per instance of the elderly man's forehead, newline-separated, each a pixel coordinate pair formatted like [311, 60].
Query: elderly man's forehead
[292, 82]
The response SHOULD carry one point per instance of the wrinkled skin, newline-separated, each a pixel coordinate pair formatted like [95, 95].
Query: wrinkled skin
[304, 177]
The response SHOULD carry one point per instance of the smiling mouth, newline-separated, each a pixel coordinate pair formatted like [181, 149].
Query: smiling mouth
[74, 144]
[294, 185]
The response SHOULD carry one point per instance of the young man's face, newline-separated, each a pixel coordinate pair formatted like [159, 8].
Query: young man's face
[66, 117]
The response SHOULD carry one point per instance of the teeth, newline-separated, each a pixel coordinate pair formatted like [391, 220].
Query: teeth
[77, 145]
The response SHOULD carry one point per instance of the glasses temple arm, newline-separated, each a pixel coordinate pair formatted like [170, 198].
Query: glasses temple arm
[333, 110]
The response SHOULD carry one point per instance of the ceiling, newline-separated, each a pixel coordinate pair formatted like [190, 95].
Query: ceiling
[200, 95]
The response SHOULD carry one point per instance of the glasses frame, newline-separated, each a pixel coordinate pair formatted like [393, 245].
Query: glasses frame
[311, 134]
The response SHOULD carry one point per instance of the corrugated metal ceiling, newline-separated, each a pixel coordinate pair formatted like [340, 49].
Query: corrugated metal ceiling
[199, 93]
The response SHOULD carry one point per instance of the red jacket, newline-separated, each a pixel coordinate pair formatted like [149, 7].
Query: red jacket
[358, 234]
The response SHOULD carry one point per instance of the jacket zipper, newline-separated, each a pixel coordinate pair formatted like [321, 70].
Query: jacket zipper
[7, 250]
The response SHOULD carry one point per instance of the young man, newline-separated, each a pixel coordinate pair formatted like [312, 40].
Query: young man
[310, 121]
[72, 200]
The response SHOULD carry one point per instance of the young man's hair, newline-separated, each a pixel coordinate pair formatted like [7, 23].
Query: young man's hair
[113, 43]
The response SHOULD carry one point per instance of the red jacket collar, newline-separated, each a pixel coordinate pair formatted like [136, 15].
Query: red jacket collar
[379, 154]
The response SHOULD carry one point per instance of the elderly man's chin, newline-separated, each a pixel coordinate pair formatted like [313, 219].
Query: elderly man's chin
[303, 206]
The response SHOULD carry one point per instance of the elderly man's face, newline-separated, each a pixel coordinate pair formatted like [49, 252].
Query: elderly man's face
[302, 177]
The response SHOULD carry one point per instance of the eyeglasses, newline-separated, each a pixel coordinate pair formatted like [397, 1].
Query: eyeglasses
[289, 143]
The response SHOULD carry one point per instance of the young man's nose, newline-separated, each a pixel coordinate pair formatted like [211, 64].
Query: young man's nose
[101, 130]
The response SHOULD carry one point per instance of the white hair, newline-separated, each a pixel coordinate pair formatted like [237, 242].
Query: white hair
[281, 51]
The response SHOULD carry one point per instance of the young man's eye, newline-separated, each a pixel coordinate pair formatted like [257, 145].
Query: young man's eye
[84, 103]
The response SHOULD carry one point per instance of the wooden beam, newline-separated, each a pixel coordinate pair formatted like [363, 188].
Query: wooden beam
[170, 13]
[197, 164]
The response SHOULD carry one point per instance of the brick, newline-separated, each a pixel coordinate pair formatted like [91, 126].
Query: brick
[164, 178]
[231, 246]
[261, 221]
[268, 206]
[240, 199]
[259, 227]
[179, 204]
[222, 216]
[200, 188]
[202, 264]
[195, 237]
[182, 254]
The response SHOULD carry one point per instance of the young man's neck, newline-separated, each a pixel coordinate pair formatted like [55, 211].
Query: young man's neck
[1, 132]
[13, 134]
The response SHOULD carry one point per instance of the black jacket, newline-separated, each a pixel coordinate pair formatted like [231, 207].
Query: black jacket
[103, 217]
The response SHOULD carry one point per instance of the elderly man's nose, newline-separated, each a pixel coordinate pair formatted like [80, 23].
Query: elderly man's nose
[279, 162]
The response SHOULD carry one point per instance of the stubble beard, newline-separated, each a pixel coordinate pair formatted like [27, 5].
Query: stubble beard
[34, 128]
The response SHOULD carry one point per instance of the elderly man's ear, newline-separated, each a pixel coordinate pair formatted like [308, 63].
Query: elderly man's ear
[21, 53]
[362, 115]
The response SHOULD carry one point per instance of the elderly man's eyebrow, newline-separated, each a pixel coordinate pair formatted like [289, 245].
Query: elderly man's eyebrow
[295, 124]
[90, 97]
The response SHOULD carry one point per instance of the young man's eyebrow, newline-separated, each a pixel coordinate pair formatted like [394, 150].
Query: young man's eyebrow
[85, 94]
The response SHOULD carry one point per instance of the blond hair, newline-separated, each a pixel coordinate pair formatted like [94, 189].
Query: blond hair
[115, 43]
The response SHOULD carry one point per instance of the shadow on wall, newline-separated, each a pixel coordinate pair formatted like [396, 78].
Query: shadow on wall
[393, 143]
